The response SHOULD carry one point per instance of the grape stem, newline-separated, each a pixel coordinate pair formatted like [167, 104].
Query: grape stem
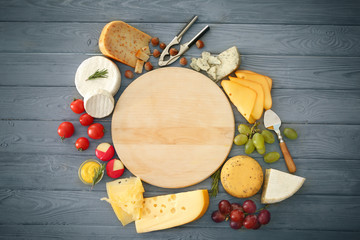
[253, 129]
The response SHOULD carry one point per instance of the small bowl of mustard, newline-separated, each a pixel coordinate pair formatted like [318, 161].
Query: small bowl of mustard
[87, 171]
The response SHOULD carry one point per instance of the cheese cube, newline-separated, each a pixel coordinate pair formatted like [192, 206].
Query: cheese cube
[139, 66]
[142, 55]
[172, 210]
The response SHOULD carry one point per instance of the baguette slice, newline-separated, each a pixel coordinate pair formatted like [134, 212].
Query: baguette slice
[120, 41]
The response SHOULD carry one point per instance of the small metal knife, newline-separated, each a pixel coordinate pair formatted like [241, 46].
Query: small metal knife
[273, 122]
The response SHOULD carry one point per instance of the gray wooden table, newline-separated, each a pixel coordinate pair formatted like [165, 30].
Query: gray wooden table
[311, 50]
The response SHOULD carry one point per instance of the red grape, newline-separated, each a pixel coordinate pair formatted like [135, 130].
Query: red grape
[249, 206]
[264, 216]
[225, 207]
[237, 215]
[257, 225]
[217, 216]
[250, 221]
[237, 206]
[235, 225]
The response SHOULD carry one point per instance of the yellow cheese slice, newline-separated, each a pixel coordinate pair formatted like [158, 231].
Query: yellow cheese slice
[261, 80]
[241, 176]
[120, 41]
[242, 97]
[259, 102]
[126, 198]
[279, 186]
[172, 210]
[248, 72]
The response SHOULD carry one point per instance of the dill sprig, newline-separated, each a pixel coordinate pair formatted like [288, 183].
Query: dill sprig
[99, 74]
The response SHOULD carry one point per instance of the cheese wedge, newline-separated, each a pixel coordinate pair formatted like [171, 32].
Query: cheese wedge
[248, 72]
[259, 103]
[264, 83]
[242, 97]
[172, 210]
[99, 103]
[279, 186]
[241, 176]
[230, 61]
[126, 198]
[120, 41]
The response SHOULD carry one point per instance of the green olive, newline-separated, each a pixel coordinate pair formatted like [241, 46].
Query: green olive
[271, 157]
[240, 139]
[290, 133]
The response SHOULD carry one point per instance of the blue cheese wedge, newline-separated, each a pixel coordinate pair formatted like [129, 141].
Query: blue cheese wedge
[194, 65]
[230, 61]
[99, 103]
[110, 83]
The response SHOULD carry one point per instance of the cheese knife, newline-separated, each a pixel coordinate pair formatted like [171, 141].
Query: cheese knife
[273, 122]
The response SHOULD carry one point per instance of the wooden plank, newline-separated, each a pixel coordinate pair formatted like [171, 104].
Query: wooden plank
[307, 106]
[259, 11]
[315, 140]
[265, 39]
[85, 208]
[38, 232]
[60, 172]
[300, 72]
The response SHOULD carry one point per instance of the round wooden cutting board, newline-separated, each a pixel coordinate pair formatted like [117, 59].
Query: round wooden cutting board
[173, 127]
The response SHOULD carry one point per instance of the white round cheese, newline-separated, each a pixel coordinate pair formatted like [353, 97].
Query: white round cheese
[88, 67]
[99, 103]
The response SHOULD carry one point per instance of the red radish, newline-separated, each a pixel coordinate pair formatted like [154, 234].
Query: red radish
[115, 168]
[105, 151]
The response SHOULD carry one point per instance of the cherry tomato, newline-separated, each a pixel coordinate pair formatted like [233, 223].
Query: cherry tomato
[77, 106]
[96, 131]
[82, 144]
[86, 119]
[66, 130]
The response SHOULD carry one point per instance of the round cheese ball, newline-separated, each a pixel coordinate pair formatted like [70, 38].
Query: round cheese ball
[88, 67]
[242, 176]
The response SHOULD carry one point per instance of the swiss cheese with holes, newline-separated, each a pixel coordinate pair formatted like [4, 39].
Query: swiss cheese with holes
[120, 41]
[242, 176]
[172, 210]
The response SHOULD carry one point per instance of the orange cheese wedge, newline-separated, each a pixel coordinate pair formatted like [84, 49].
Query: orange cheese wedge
[248, 72]
[260, 99]
[261, 80]
[120, 41]
[242, 97]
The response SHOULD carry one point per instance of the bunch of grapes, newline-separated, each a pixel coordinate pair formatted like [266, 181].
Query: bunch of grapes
[241, 215]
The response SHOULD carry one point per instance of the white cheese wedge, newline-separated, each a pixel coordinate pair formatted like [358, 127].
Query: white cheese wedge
[99, 103]
[279, 186]
[88, 67]
[172, 210]
[230, 61]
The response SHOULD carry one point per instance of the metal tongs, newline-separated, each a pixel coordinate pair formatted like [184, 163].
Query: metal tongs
[183, 47]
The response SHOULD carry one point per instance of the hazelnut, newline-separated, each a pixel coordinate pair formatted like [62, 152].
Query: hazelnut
[162, 45]
[129, 74]
[148, 66]
[156, 53]
[155, 41]
[199, 44]
[183, 61]
[173, 51]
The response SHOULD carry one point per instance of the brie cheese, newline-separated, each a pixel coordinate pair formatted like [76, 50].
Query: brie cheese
[88, 67]
[99, 103]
